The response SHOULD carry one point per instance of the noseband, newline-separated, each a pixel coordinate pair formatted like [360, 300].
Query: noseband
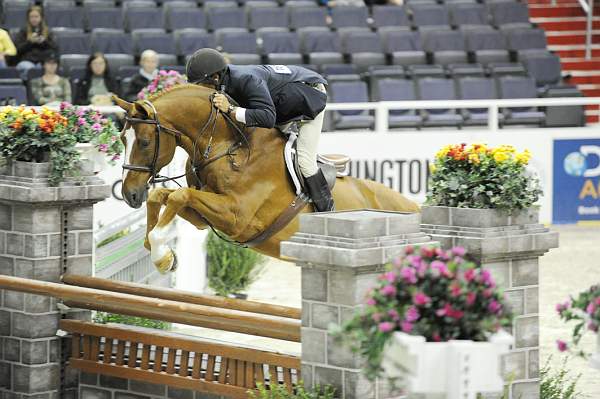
[155, 177]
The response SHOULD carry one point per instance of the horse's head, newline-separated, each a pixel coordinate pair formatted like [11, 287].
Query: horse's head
[149, 147]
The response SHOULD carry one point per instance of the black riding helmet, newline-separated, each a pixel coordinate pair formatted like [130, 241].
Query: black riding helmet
[203, 64]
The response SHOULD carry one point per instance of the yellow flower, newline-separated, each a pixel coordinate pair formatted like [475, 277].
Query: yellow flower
[474, 158]
[524, 157]
[432, 168]
[443, 152]
[501, 156]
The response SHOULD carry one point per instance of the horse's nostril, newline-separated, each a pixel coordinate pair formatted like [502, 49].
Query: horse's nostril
[133, 196]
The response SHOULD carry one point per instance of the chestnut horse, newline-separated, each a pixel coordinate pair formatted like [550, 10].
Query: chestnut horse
[238, 185]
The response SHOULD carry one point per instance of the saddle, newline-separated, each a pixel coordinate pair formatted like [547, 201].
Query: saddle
[333, 166]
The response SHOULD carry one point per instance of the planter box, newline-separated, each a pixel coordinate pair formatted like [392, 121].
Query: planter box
[595, 359]
[89, 154]
[30, 170]
[471, 217]
[459, 369]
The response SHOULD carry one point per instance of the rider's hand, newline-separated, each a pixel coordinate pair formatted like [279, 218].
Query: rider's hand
[221, 102]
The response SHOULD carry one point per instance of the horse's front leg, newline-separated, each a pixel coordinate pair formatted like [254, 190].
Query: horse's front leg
[156, 199]
[215, 208]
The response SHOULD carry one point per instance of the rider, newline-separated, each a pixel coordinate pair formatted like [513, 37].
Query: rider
[271, 95]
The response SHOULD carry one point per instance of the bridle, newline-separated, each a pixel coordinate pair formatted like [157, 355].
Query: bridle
[155, 177]
[212, 119]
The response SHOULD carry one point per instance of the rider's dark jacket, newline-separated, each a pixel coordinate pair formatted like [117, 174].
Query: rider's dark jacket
[275, 94]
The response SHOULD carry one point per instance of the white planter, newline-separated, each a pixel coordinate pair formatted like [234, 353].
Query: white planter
[595, 359]
[458, 369]
[90, 153]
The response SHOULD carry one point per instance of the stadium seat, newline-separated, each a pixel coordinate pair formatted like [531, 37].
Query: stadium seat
[509, 14]
[338, 69]
[189, 40]
[72, 41]
[237, 42]
[64, 16]
[404, 47]
[104, 18]
[446, 46]
[430, 16]
[426, 70]
[476, 88]
[525, 40]
[70, 61]
[16, 93]
[390, 16]
[14, 15]
[116, 61]
[321, 46]
[487, 45]
[281, 47]
[111, 41]
[154, 39]
[143, 18]
[468, 14]
[519, 87]
[226, 17]
[462, 70]
[544, 67]
[350, 91]
[438, 89]
[9, 73]
[302, 17]
[363, 48]
[496, 69]
[182, 18]
[267, 17]
[349, 17]
[399, 90]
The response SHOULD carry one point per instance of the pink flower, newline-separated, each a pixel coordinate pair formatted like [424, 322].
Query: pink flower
[115, 157]
[412, 314]
[449, 311]
[163, 73]
[390, 276]
[389, 290]
[81, 122]
[441, 268]
[377, 317]
[64, 105]
[371, 302]
[562, 345]
[455, 289]
[488, 293]
[406, 326]
[386, 326]
[80, 112]
[598, 301]
[470, 275]
[409, 250]
[420, 299]
[486, 277]
[97, 127]
[494, 307]
[471, 296]
[103, 147]
[561, 307]
[591, 308]
[436, 337]
[458, 251]
[427, 252]
[409, 275]
[141, 95]
[393, 313]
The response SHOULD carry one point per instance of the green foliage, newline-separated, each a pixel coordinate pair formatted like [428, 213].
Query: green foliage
[584, 311]
[280, 392]
[558, 384]
[104, 318]
[231, 269]
[477, 176]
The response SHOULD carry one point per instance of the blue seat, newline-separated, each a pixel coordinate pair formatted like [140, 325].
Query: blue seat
[350, 92]
[72, 42]
[404, 47]
[510, 14]
[67, 17]
[438, 89]
[14, 15]
[394, 16]
[321, 46]
[468, 14]
[430, 16]
[267, 17]
[488, 45]
[18, 93]
[364, 48]
[446, 46]
[226, 17]
[187, 41]
[519, 87]
[237, 42]
[111, 41]
[476, 88]
[301, 17]
[143, 18]
[154, 39]
[349, 17]
[281, 47]
[104, 18]
[544, 67]
[182, 18]
[399, 90]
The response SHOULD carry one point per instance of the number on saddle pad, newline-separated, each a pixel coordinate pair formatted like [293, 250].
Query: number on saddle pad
[282, 69]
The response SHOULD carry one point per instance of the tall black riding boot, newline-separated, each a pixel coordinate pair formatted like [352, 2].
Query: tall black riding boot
[320, 193]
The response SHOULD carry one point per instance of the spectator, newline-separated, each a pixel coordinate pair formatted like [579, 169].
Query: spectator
[7, 47]
[51, 88]
[34, 42]
[97, 86]
[148, 71]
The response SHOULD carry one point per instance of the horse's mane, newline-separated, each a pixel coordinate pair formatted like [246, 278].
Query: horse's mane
[179, 87]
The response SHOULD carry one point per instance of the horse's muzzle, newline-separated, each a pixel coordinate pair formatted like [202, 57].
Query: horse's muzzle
[135, 198]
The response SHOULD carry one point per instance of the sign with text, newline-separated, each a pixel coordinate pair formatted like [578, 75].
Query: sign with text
[576, 180]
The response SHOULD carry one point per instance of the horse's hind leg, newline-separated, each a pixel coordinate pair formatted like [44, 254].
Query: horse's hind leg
[156, 199]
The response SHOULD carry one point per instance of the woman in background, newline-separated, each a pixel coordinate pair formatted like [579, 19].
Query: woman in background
[51, 88]
[34, 42]
[97, 86]
[7, 47]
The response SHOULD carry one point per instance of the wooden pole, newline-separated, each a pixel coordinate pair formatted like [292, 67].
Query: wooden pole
[173, 311]
[182, 296]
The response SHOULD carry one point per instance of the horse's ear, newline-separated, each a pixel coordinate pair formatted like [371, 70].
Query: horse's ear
[122, 103]
[141, 110]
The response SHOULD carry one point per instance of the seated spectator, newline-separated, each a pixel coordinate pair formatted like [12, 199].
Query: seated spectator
[51, 88]
[148, 71]
[34, 42]
[7, 47]
[97, 87]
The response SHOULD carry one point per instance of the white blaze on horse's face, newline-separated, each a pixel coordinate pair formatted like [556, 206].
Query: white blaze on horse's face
[129, 139]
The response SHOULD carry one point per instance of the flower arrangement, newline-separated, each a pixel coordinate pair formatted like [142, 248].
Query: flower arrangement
[478, 176]
[164, 80]
[38, 136]
[428, 292]
[585, 311]
[90, 126]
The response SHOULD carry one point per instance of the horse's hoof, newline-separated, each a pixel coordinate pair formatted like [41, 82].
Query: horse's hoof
[167, 263]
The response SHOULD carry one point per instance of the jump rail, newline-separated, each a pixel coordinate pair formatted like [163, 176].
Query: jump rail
[382, 108]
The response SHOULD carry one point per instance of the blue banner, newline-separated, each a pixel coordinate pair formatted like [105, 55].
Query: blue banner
[576, 193]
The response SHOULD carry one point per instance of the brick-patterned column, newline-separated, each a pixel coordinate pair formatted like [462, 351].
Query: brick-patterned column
[510, 246]
[44, 232]
[341, 254]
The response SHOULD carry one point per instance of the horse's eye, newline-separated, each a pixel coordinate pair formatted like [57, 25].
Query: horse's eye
[144, 143]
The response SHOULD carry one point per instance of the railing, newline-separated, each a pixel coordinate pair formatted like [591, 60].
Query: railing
[169, 358]
[494, 107]
[588, 8]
